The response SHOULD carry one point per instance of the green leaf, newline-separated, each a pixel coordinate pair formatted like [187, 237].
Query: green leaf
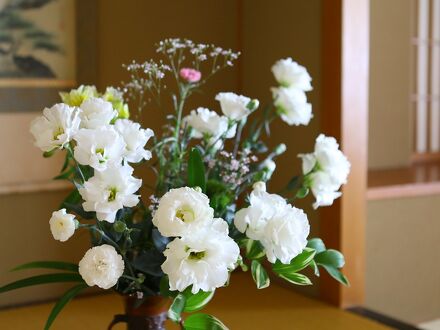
[317, 244]
[298, 263]
[293, 183]
[165, 288]
[330, 258]
[195, 302]
[315, 268]
[49, 265]
[259, 275]
[50, 153]
[254, 249]
[337, 275]
[196, 170]
[296, 278]
[177, 307]
[302, 192]
[202, 321]
[68, 296]
[42, 279]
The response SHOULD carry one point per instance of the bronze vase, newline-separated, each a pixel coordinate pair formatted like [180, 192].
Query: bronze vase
[150, 315]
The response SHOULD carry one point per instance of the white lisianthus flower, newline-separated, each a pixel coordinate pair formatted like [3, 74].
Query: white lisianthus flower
[179, 208]
[281, 228]
[56, 127]
[326, 169]
[99, 148]
[263, 206]
[236, 107]
[96, 113]
[135, 139]
[62, 225]
[201, 258]
[208, 123]
[288, 73]
[292, 106]
[101, 266]
[285, 234]
[109, 191]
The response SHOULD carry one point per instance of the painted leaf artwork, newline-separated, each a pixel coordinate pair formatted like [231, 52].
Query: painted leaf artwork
[31, 44]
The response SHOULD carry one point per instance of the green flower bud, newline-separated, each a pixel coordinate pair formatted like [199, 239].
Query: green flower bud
[119, 226]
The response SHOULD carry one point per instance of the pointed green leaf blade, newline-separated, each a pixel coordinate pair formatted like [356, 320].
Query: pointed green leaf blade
[296, 278]
[195, 302]
[63, 301]
[259, 275]
[317, 244]
[298, 263]
[330, 258]
[42, 279]
[60, 265]
[337, 275]
[177, 307]
[202, 321]
[196, 170]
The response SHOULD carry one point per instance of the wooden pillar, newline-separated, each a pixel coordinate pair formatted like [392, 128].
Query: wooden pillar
[345, 57]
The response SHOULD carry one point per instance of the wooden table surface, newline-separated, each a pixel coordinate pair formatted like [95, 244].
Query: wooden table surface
[240, 306]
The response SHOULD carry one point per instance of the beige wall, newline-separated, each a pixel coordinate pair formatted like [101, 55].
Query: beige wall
[390, 130]
[403, 271]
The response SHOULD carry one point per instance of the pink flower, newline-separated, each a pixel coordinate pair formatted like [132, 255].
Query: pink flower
[190, 75]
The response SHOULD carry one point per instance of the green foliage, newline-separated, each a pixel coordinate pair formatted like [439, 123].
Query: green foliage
[302, 192]
[297, 264]
[203, 322]
[177, 308]
[259, 275]
[63, 301]
[195, 302]
[296, 278]
[254, 249]
[42, 279]
[330, 260]
[196, 170]
[59, 265]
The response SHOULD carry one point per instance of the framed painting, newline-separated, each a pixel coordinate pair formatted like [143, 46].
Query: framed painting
[39, 57]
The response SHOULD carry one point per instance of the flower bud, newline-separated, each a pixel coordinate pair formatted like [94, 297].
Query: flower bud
[280, 149]
[253, 104]
[260, 185]
[119, 226]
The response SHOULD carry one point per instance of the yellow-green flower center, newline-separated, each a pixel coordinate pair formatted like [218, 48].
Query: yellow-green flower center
[59, 131]
[196, 255]
[112, 195]
[185, 214]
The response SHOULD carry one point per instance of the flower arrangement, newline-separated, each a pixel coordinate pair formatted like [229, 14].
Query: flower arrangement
[209, 212]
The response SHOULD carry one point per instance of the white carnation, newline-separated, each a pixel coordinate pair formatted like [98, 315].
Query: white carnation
[235, 107]
[327, 169]
[96, 113]
[56, 127]
[101, 266]
[281, 228]
[135, 139]
[99, 148]
[292, 106]
[109, 191]
[62, 225]
[288, 73]
[285, 234]
[202, 258]
[179, 208]
[263, 206]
